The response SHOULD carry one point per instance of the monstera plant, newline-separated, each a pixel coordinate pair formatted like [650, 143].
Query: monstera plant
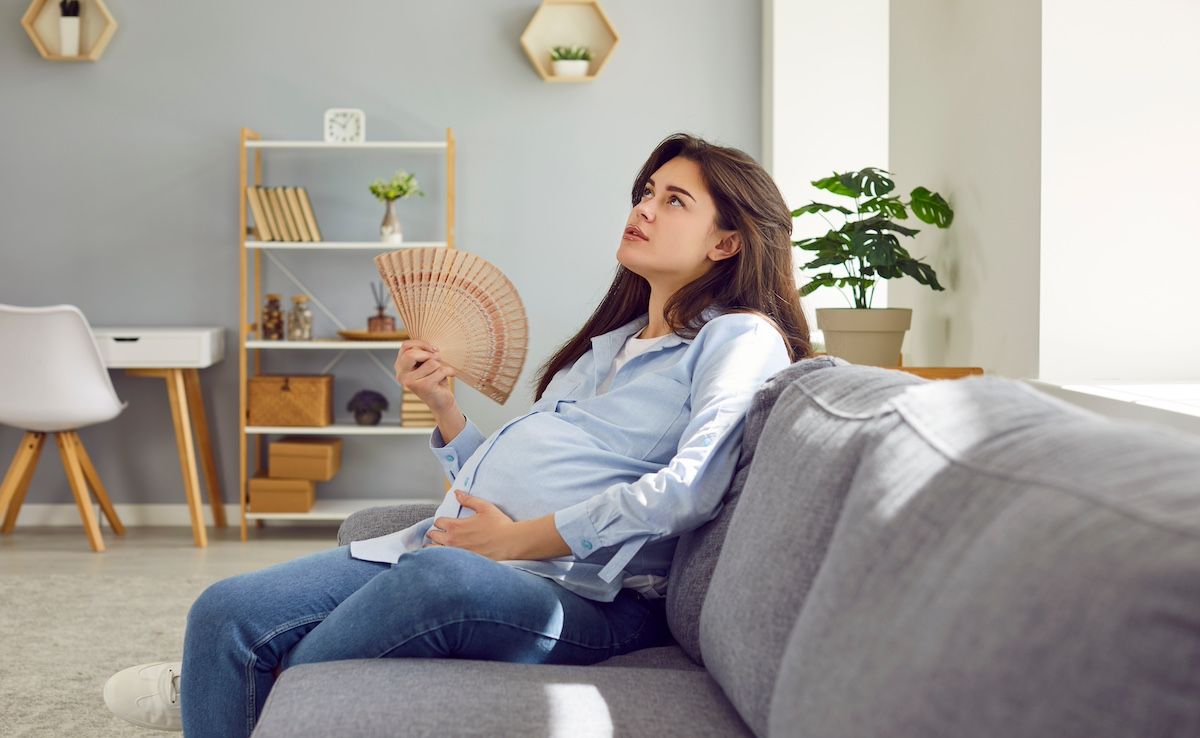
[866, 247]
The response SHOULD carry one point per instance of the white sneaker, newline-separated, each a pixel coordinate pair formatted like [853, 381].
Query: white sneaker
[146, 695]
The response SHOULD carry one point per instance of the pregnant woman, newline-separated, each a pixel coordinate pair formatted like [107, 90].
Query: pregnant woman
[554, 543]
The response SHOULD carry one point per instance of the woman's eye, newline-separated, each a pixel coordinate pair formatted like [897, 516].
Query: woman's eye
[646, 190]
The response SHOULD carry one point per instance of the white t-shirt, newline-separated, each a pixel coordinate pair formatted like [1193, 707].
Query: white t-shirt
[633, 346]
[651, 586]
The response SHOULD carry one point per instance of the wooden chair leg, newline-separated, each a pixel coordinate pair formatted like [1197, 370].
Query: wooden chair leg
[195, 400]
[93, 479]
[16, 480]
[83, 501]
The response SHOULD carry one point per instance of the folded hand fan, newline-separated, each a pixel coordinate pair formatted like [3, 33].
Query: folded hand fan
[464, 305]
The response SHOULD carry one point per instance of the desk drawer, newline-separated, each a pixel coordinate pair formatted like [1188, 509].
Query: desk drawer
[160, 347]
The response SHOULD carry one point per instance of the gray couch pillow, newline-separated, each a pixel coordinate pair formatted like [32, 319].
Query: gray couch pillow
[804, 462]
[1005, 565]
[697, 551]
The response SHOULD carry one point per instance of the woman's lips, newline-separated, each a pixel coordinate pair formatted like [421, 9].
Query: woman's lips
[632, 235]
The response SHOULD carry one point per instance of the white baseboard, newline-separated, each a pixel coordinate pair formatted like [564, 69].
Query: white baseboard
[132, 515]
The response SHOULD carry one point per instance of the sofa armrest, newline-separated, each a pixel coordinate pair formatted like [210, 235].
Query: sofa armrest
[378, 521]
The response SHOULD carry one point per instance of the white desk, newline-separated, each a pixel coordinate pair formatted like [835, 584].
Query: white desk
[176, 355]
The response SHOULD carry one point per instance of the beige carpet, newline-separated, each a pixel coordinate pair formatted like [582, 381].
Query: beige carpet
[63, 635]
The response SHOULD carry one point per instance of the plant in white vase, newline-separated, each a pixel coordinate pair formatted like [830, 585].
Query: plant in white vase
[867, 248]
[402, 184]
[570, 61]
[68, 28]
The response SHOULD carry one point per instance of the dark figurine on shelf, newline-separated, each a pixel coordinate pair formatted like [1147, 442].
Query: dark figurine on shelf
[69, 8]
[380, 323]
[367, 406]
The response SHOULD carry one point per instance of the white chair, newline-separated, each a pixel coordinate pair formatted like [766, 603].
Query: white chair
[53, 380]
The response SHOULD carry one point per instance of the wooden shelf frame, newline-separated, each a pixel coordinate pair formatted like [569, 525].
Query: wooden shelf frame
[96, 28]
[569, 23]
[250, 344]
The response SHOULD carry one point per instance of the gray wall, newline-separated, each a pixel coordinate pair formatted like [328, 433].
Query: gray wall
[119, 182]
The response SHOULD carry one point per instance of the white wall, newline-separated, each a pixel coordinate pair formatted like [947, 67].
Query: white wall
[1120, 152]
[965, 109]
[825, 106]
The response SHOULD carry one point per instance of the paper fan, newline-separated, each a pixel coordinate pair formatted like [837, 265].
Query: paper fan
[464, 305]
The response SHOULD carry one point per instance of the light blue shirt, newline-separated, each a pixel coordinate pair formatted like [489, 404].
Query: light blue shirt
[623, 472]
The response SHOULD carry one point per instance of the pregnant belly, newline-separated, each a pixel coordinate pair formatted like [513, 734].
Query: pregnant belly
[542, 463]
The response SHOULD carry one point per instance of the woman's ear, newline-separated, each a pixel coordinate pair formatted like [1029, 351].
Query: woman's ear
[729, 245]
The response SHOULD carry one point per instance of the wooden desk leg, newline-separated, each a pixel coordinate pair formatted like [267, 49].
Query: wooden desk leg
[191, 378]
[187, 453]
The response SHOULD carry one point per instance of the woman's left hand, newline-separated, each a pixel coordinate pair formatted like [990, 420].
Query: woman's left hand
[488, 532]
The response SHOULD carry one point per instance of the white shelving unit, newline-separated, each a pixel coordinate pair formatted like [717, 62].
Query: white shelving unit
[251, 345]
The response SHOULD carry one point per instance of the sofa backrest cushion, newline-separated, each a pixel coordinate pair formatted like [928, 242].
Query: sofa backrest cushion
[803, 465]
[696, 551]
[1005, 565]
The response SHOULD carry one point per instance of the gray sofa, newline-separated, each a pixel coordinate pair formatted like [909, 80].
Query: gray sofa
[897, 557]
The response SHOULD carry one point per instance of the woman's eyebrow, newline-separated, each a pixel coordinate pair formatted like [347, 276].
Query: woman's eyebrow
[673, 188]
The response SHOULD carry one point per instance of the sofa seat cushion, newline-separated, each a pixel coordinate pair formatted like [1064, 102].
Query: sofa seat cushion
[461, 697]
[1005, 565]
[662, 657]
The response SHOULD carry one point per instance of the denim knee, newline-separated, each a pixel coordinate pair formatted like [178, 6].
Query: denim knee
[443, 578]
[218, 605]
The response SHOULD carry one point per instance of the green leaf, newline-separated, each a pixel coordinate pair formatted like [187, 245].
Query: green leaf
[921, 272]
[870, 181]
[931, 208]
[835, 185]
[820, 207]
[885, 205]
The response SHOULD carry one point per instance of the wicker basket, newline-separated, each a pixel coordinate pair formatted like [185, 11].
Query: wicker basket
[292, 399]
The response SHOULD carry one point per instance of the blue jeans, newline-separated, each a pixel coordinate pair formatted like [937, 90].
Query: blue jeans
[434, 602]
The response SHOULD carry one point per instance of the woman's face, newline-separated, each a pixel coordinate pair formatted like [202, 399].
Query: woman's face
[676, 217]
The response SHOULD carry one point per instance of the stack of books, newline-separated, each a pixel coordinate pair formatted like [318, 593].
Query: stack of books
[414, 413]
[282, 214]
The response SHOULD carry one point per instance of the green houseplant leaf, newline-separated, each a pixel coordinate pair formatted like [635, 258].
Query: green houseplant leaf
[867, 245]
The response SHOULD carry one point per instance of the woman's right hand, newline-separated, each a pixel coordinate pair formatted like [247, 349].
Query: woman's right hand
[419, 371]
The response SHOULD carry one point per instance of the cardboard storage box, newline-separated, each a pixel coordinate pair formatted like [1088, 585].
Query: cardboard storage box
[317, 459]
[281, 495]
[290, 400]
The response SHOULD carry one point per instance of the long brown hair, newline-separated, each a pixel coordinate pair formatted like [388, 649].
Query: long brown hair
[757, 279]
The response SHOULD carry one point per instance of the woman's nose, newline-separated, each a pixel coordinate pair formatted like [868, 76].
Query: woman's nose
[645, 209]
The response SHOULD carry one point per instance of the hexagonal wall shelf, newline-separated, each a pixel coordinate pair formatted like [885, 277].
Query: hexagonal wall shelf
[96, 28]
[568, 23]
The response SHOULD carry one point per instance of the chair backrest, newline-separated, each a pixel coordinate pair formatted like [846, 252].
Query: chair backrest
[52, 376]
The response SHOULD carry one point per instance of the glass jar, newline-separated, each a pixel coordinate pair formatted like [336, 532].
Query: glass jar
[272, 319]
[300, 319]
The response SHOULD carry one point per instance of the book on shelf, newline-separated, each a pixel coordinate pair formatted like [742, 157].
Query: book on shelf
[288, 222]
[309, 216]
[276, 215]
[273, 225]
[293, 203]
[262, 229]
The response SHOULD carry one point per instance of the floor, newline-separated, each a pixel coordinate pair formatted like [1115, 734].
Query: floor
[70, 617]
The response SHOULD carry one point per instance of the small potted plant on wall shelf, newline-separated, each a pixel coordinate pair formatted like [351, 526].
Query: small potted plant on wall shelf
[866, 247]
[402, 184]
[570, 61]
[68, 28]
